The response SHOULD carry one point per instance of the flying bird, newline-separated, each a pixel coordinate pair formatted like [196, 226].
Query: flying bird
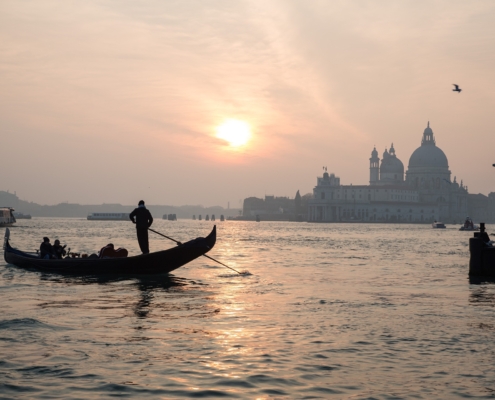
[457, 88]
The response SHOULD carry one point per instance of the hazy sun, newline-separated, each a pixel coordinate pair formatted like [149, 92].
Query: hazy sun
[235, 132]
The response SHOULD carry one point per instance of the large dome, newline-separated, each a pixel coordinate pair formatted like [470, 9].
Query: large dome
[428, 155]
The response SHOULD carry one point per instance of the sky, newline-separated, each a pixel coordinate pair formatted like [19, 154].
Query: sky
[108, 101]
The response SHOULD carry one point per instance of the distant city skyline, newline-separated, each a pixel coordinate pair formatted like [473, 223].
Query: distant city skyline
[213, 102]
[427, 191]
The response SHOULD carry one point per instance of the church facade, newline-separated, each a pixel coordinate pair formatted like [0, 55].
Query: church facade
[423, 193]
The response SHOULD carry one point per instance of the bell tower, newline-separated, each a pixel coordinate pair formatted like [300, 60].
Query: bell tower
[374, 167]
[428, 137]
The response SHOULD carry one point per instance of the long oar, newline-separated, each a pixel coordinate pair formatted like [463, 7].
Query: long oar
[161, 234]
[204, 255]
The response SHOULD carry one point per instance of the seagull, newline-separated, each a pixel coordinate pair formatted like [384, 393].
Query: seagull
[457, 88]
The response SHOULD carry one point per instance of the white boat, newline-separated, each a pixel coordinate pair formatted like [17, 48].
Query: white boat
[438, 225]
[109, 217]
[6, 216]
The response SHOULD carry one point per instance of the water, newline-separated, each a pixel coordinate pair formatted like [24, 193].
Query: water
[330, 311]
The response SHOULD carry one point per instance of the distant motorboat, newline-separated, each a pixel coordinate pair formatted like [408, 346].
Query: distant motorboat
[438, 225]
[469, 225]
[7, 217]
[109, 217]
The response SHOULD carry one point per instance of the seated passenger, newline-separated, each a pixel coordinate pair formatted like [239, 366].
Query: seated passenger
[59, 250]
[105, 251]
[109, 251]
[46, 249]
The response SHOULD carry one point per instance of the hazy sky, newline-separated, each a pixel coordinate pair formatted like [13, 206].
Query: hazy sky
[114, 101]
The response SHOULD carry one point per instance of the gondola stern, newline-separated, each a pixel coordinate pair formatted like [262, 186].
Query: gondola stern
[6, 238]
[6, 246]
[211, 238]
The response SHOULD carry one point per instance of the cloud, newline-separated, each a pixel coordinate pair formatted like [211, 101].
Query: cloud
[319, 82]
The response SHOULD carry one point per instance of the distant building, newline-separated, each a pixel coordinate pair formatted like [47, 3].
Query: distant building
[273, 208]
[481, 207]
[425, 194]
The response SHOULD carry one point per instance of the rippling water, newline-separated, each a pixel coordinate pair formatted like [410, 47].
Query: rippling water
[358, 311]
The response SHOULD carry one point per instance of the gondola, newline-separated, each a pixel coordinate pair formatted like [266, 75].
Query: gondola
[160, 262]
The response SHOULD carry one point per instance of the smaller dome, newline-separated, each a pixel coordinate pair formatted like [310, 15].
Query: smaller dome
[392, 164]
[374, 153]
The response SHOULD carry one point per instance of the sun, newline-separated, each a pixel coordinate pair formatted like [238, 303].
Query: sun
[236, 133]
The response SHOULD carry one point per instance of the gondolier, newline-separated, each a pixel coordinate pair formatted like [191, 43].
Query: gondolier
[141, 216]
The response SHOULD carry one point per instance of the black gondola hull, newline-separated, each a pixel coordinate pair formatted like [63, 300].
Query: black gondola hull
[153, 263]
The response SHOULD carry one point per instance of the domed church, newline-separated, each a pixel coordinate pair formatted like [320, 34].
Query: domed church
[425, 194]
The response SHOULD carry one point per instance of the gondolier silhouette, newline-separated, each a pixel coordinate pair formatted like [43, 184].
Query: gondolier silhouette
[141, 216]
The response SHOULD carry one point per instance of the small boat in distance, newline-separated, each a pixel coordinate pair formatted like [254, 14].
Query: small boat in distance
[7, 217]
[438, 225]
[469, 225]
[109, 217]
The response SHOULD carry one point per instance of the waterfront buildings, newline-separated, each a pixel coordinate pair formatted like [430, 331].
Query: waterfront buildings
[424, 193]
